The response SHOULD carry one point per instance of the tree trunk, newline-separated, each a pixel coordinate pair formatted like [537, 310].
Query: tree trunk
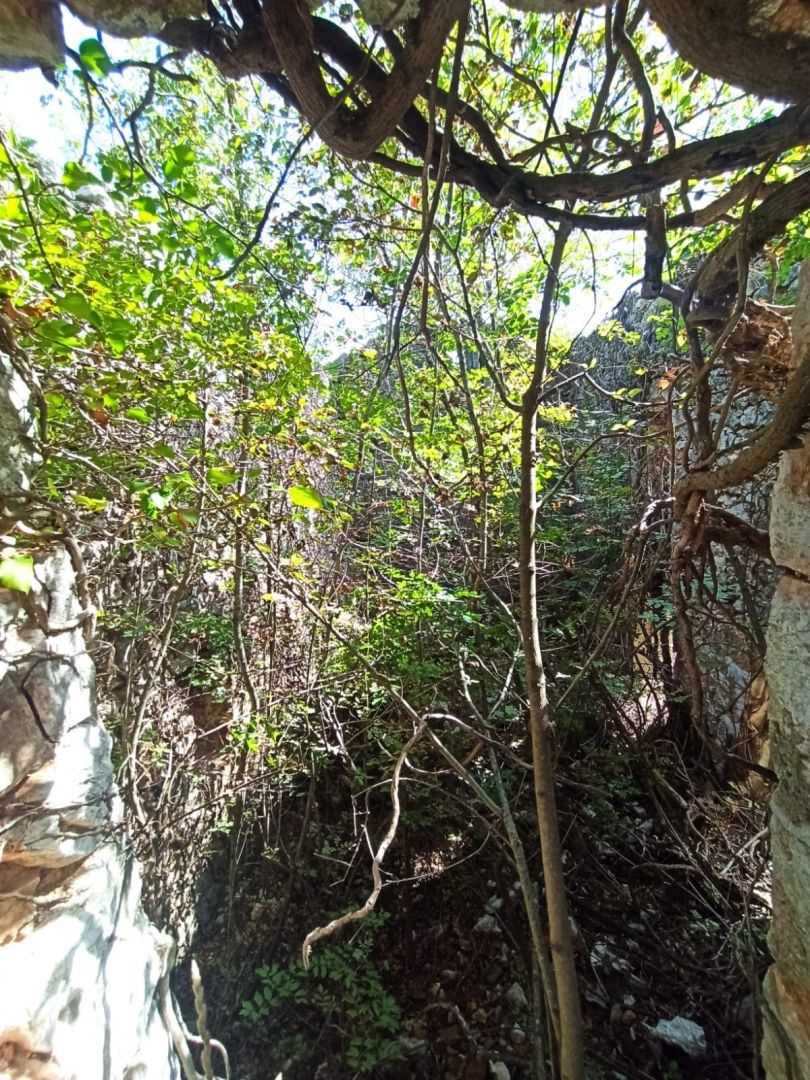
[572, 1054]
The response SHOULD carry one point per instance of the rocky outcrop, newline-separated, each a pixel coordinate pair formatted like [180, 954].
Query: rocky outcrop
[31, 30]
[30, 34]
[134, 20]
[786, 1045]
[83, 975]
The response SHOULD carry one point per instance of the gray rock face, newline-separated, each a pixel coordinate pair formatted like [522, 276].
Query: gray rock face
[786, 1046]
[790, 512]
[132, 20]
[81, 968]
[18, 455]
[31, 30]
[786, 1042]
[30, 33]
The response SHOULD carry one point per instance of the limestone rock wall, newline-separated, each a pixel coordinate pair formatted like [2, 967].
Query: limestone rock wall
[83, 975]
[786, 1045]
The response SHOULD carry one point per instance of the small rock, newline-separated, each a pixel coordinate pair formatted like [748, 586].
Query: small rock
[684, 1034]
[498, 1071]
[615, 1013]
[629, 1017]
[449, 974]
[487, 924]
[495, 903]
[517, 1035]
[411, 1047]
[602, 956]
[517, 998]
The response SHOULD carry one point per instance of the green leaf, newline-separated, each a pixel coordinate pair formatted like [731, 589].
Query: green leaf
[306, 497]
[219, 475]
[17, 572]
[180, 158]
[94, 57]
[224, 244]
[75, 176]
[96, 505]
[152, 503]
[59, 331]
[119, 333]
[139, 414]
[147, 208]
[75, 304]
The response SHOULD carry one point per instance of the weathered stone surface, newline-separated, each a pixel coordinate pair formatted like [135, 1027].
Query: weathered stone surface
[787, 988]
[790, 512]
[30, 33]
[786, 1014]
[131, 20]
[79, 963]
[31, 30]
[80, 980]
[47, 706]
[82, 972]
[18, 456]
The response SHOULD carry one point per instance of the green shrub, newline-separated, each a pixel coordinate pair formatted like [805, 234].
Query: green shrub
[342, 990]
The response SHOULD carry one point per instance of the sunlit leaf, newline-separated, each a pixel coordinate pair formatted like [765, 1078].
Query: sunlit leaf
[181, 156]
[90, 503]
[153, 503]
[306, 497]
[94, 58]
[139, 414]
[78, 305]
[75, 176]
[17, 572]
[220, 475]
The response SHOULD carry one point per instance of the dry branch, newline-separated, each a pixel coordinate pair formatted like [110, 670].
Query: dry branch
[376, 873]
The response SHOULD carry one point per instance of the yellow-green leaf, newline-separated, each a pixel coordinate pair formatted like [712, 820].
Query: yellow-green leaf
[306, 497]
[90, 503]
[17, 572]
